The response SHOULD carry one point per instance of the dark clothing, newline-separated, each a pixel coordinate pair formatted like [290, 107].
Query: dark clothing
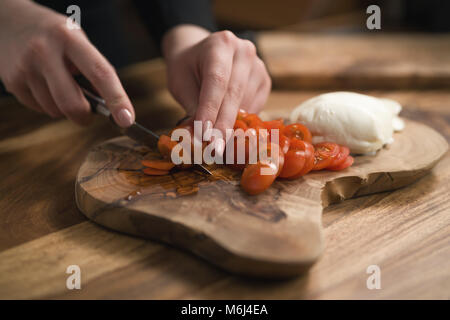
[106, 27]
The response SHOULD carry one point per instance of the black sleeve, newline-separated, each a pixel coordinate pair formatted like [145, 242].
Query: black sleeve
[162, 15]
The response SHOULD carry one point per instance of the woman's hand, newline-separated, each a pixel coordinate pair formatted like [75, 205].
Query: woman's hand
[38, 55]
[213, 75]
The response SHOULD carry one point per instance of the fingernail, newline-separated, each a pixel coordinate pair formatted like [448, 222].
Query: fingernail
[219, 146]
[124, 118]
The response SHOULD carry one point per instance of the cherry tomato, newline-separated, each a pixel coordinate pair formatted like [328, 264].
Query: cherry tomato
[299, 131]
[347, 163]
[274, 124]
[165, 145]
[279, 162]
[294, 161]
[340, 158]
[253, 182]
[158, 164]
[283, 142]
[253, 121]
[240, 124]
[308, 149]
[324, 154]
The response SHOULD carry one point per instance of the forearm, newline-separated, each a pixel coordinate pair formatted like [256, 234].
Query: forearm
[181, 37]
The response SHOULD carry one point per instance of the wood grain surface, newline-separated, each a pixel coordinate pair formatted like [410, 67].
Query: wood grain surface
[275, 234]
[357, 61]
[405, 232]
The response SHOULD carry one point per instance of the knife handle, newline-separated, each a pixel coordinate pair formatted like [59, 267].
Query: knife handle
[97, 104]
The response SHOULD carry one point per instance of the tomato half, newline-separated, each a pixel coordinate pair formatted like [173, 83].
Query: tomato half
[274, 124]
[165, 145]
[308, 149]
[158, 164]
[294, 161]
[253, 182]
[299, 131]
[279, 162]
[341, 156]
[324, 154]
[253, 121]
[240, 124]
[154, 172]
[347, 163]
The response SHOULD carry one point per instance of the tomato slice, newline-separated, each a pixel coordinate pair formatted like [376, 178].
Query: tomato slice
[274, 124]
[341, 156]
[283, 142]
[279, 162]
[308, 149]
[347, 163]
[324, 154]
[253, 182]
[294, 161]
[253, 121]
[165, 145]
[240, 124]
[158, 164]
[299, 131]
[154, 172]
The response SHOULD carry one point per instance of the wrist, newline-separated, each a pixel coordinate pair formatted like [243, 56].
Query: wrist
[182, 37]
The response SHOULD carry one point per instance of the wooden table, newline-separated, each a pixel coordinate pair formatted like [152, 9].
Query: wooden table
[405, 233]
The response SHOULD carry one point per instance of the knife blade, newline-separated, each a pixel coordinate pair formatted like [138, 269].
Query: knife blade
[136, 131]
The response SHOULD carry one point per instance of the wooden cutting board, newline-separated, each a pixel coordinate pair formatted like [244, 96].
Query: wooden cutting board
[356, 61]
[275, 234]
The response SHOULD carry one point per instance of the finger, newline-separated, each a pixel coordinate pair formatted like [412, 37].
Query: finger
[39, 89]
[25, 97]
[102, 76]
[236, 86]
[216, 71]
[253, 85]
[260, 97]
[185, 89]
[66, 93]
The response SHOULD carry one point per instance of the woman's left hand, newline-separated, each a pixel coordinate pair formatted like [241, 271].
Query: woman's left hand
[213, 75]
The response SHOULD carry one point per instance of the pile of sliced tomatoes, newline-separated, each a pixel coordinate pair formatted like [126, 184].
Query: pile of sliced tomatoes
[297, 155]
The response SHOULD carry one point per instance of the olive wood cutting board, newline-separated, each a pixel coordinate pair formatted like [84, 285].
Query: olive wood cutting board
[275, 234]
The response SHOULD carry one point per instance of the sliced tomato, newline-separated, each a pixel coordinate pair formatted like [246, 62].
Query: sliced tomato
[341, 156]
[324, 154]
[158, 164]
[165, 145]
[344, 165]
[283, 142]
[253, 121]
[274, 124]
[154, 172]
[308, 150]
[240, 124]
[299, 131]
[253, 182]
[294, 161]
[279, 162]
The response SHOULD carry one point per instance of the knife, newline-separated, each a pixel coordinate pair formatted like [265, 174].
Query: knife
[136, 131]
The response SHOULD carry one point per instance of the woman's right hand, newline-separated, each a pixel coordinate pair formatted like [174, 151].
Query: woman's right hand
[39, 56]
